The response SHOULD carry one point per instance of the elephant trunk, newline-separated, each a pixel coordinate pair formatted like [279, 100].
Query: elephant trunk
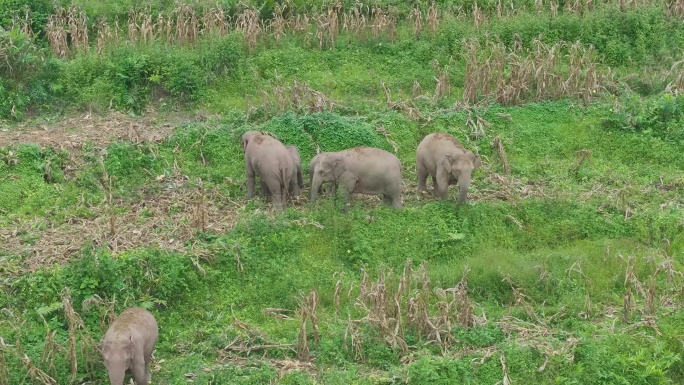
[315, 186]
[463, 185]
[116, 377]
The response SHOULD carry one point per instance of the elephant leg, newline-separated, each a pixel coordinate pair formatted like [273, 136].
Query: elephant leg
[276, 194]
[294, 187]
[138, 372]
[300, 179]
[264, 189]
[434, 183]
[250, 180]
[422, 177]
[349, 185]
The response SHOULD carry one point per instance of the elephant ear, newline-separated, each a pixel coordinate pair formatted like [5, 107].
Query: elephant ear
[477, 162]
[338, 168]
[446, 163]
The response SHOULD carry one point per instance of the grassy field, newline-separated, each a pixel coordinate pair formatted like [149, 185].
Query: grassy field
[122, 184]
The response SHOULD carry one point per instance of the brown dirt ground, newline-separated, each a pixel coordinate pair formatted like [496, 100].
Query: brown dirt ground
[73, 132]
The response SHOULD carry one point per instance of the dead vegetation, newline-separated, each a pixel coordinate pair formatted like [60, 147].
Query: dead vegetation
[74, 133]
[516, 75]
[180, 210]
[298, 96]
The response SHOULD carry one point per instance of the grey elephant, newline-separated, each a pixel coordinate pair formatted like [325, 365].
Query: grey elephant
[270, 160]
[312, 166]
[128, 346]
[363, 170]
[444, 158]
[297, 181]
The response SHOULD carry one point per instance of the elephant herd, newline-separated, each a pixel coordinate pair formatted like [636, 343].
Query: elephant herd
[364, 170]
[128, 344]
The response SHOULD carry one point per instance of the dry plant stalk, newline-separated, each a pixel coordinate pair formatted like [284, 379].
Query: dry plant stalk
[23, 23]
[106, 183]
[75, 323]
[35, 373]
[249, 23]
[307, 309]
[498, 146]
[394, 304]
[432, 17]
[327, 26]
[215, 21]
[416, 17]
[104, 34]
[4, 370]
[78, 29]
[57, 34]
[515, 75]
[355, 20]
[49, 350]
[443, 87]
[199, 217]
[406, 106]
[278, 24]
[106, 309]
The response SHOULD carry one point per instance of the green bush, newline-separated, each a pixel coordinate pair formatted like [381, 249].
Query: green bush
[661, 116]
[25, 77]
[39, 10]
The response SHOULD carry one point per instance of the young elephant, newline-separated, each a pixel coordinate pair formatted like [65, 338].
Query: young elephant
[363, 170]
[128, 346]
[444, 158]
[268, 159]
[297, 181]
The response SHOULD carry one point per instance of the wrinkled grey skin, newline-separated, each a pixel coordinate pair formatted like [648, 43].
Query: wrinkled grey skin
[444, 158]
[312, 166]
[128, 346]
[297, 181]
[268, 159]
[363, 170]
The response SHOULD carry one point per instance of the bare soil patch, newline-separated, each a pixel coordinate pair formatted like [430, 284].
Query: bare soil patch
[168, 220]
[72, 133]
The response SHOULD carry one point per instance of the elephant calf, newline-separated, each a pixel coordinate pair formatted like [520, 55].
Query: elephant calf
[270, 160]
[444, 158]
[363, 170]
[128, 346]
[297, 181]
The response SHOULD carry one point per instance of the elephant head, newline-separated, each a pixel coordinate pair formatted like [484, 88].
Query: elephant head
[247, 136]
[460, 168]
[328, 168]
[117, 358]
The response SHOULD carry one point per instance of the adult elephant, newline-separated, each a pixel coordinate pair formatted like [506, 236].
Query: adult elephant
[270, 160]
[312, 167]
[444, 158]
[364, 170]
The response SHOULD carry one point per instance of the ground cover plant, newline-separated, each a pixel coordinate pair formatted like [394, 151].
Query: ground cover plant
[122, 184]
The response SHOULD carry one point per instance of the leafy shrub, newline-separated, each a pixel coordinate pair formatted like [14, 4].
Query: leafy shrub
[439, 370]
[661, 116]
[124, 161]
[39, 10]
[221, 55]
[25, 77]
